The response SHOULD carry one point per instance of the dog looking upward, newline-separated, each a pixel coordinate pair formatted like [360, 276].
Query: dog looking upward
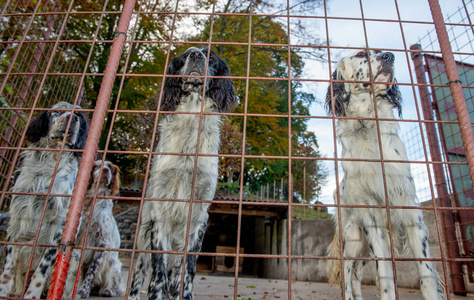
[35, 175]
[163, 224]
[365, 230]
[101, 269]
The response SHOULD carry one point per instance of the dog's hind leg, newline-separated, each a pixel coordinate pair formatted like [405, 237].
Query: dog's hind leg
[7, 278]
[353, 243]
[376, 234]
[71, 274]
[358, 270]
[195, 242]
[159, 261]
[114, 285]
[91, 272]
[41, 274]
[174, 276]
[417, 235]
[139, 275]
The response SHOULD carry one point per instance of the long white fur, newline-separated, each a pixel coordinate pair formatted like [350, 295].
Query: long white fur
[34, 176]
[102, 269]
[365, 230]
[164, 223]
[171, 178]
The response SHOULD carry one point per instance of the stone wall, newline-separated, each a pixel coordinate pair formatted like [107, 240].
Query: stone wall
[127, 224]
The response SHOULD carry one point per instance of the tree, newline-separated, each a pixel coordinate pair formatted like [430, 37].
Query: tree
[131, 131]
[308, 175]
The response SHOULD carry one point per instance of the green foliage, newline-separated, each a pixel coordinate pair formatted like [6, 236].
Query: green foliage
[131, 131]
[309, 213]
[229, 187]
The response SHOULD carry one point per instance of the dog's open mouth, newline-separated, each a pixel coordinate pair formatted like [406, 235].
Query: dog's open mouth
[195, 73]
[194, 80]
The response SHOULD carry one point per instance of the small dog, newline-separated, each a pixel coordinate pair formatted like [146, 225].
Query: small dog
[101, 269]
[35, 175]
[365, 230]
[164, 223]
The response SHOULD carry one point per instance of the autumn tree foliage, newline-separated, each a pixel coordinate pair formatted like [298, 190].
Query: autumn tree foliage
[272, 95]
[129, 131]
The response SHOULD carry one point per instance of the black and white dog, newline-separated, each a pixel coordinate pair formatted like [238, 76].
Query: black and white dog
[101, 269]
[164, 223]
[35, 175]
[365, 230]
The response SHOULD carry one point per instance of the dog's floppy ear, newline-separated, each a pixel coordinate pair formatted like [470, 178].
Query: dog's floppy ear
[91, 178]
[221, 90]
[38, 128]
[82, 135]
[172, 87]
[115, 186]
[395, 97]
[340, 95]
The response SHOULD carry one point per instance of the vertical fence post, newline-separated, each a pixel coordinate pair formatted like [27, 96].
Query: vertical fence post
[274, 189]
[80, 188]
[440, 179]
[281, 190]
[455, 85]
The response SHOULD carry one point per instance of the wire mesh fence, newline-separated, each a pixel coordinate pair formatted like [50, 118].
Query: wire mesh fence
[281, 170]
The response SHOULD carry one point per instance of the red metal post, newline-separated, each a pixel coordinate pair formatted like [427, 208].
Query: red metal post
[440, 179]
[80, 187]
[455, 85]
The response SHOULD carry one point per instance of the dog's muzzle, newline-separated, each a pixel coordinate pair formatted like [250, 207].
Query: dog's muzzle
[195, 66]
[385, 72]
[73, 127]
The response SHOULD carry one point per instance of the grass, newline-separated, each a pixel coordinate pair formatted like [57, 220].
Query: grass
[308, 213]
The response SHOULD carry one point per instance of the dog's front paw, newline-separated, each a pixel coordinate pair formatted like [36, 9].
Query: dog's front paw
[108, 293]
[84, 292]
[33, 293]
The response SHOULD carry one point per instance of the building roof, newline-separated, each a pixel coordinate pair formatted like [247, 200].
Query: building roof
[226, 204]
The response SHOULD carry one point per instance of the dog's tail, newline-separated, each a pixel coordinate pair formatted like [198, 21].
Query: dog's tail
[333, 267]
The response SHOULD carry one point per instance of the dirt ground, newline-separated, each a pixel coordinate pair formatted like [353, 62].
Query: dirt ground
[213, 287]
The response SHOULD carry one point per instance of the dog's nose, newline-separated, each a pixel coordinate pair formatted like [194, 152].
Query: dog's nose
[196, 56]
[106, 175]
[388, 56]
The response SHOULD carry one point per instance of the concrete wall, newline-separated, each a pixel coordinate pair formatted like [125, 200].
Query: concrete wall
[311, 238]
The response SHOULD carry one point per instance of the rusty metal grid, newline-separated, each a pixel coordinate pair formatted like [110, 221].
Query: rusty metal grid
[41, 65]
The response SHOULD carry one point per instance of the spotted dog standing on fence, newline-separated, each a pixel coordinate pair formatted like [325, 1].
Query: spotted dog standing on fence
[163, 224]
[101, 270]
[47, 131]
[365, 230]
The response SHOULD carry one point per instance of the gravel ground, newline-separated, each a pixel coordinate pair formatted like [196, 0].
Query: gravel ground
[213, 287]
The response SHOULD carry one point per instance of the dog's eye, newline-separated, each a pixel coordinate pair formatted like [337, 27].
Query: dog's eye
[211, 59]
[360, 54]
